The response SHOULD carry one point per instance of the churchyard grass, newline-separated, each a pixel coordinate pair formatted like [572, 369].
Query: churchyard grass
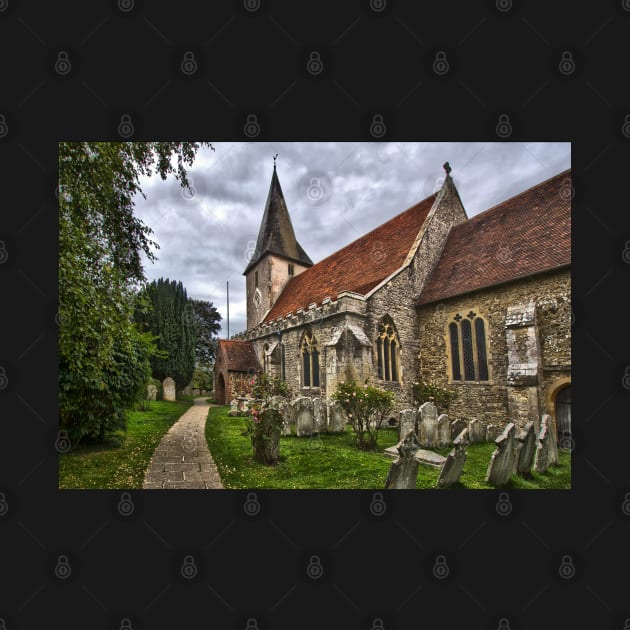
[121, 464]
[332, 461]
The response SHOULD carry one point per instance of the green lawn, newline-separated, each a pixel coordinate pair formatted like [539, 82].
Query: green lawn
[332, 461]
[114, 466]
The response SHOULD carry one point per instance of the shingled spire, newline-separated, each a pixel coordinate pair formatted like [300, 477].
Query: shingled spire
[276, 235]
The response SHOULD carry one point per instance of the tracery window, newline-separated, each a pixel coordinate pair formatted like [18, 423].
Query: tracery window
[388, 352]
[467, 345]
[310, 361]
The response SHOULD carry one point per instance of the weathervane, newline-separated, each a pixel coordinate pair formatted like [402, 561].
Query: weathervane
[274, 160]
[447, 168]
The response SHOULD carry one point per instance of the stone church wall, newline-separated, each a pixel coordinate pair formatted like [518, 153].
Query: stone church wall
[488, 401]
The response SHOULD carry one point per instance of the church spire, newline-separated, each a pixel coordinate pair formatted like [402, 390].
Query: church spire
[276, 235]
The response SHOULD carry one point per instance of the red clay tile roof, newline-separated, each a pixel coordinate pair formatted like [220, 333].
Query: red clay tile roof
[357, 267]
[239, 355]
[527, 234]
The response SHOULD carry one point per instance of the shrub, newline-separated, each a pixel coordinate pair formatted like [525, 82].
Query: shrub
[441, 397]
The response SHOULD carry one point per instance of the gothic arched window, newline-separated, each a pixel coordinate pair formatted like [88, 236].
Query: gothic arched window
[388, 352]
[310, 361]
[467, 346]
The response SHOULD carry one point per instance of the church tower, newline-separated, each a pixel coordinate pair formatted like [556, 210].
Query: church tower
[277, 257]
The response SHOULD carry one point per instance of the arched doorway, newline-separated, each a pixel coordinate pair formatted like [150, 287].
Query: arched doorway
[562, 410]
[220, 393]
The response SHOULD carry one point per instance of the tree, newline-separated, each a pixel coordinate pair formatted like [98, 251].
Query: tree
[103, 356]
[207, 320]
[173, 323]
[366, 408]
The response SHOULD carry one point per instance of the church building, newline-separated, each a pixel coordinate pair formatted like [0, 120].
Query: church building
[480, 306]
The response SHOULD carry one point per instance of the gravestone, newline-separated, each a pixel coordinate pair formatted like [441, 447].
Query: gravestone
[443, 431]
[336, 418]
[552, 432]
[527, 439]
[492, 432]
[427, 426]
[457, 426]
[476, 431]
[454, 464]
[319, 415]
[168, 389]
[233, 408]
[281, 404]
[151, 392]
[196, 392]
[203, 392]
[502, 463]
[187, 391]
[403, 472]
[304, 424]
[406, 422]
[541, 459]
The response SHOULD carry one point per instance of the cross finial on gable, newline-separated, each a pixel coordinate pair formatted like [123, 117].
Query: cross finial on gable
[447, 168]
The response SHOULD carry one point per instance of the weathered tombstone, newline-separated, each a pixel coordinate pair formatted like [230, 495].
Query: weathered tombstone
[552, 432]
[492, 432]
[454, 464]
[196, 392]
[406, 422]
[203, 392]
[443, 431]
[336, 418]
[233, 408]
[319, 415]
[502, 463]
[476, 431]
[403, 472]
[168, 389]
[527, 438]
[427, 426]
[457, 426]
[304, 420]
[151, 392]
[541, 459]
[187, 391]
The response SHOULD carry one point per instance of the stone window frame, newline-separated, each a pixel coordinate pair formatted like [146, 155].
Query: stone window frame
[308, 347]
[464, 313]
[272, 356]
[393, 366]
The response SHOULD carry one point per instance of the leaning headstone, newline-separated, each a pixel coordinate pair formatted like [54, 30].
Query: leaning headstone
[492, 432]
[319, 415]
[304, 420]
[443, 431]
[454, 464]
[168, 389]
[403, 472]
[336, 418]
[427, 426]
[527, 438]
[502, 463]
[475, 431]
[233, 408]
[406, 422]
[457, 426]
[151, 392]
[541, 459]
[552, 433]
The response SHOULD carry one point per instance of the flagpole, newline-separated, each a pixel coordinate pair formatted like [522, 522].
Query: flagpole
[228, 308]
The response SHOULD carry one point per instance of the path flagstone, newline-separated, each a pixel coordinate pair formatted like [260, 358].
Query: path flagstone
[182, 459]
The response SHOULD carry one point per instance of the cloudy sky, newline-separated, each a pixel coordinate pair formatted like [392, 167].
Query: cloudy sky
[335, 192]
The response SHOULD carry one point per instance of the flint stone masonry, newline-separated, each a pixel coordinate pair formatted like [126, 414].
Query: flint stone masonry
[454, 464]
[336, 418]
[168, 389]
[457, 426]
[427, 426]
[503, 461]
[527, 439]
[304, 421]
[406, 422]
[403, 472]
[443, 431]
[151, 392]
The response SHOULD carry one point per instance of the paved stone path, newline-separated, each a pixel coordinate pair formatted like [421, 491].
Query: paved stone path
[182, 458]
